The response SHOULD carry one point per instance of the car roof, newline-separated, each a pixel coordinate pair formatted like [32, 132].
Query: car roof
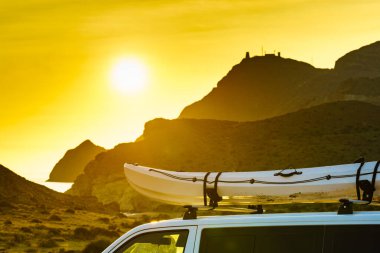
[279, 219]
[258, 220]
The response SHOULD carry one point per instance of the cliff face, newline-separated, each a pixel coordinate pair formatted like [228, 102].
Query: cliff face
[266, 86]
[73, 162]
[328, 134]
[17, 190]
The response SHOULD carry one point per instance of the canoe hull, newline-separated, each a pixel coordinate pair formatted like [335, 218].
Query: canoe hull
[156, 184]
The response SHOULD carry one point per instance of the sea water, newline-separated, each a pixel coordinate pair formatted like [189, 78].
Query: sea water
[56, 186]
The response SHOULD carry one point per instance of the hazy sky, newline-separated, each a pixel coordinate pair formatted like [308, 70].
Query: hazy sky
[56, 59]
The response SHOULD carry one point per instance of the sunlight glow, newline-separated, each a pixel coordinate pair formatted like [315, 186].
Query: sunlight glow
[129, 75]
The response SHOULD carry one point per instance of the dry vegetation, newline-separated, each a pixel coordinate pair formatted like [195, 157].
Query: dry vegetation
[29, 229]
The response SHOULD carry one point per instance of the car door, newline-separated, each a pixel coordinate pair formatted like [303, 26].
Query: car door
[271, 239]
[159, 240]
[352, 238]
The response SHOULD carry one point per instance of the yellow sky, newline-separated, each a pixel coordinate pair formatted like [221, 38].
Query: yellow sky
[56, 57]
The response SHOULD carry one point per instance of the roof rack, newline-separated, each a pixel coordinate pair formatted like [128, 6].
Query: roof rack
[191, 212]
[346, 207]
[368, 188]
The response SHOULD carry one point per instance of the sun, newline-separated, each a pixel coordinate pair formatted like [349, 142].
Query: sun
[129, 75]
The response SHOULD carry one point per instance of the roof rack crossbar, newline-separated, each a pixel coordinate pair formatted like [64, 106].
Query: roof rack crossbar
[346, 207]
[190, 213]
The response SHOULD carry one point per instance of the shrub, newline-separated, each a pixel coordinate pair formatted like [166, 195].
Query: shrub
[6, 205]
[136, 223]
[31, 250]
[125, 225]
[113, 206]
[48, 243]
[19, 238]
[101, 231]
[54, 231]
[8, 222]
[163, 216]
[26, 230]
[36, 221]
[96, 247]
[145, 218]
[112, 227]
[55, 217]
[82, 233]
[45, 212]
[70, 210]
[67, 251]
[105, 220]
[40, 227]
[121, 215]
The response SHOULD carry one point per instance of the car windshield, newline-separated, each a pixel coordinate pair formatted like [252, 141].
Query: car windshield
[157, 242]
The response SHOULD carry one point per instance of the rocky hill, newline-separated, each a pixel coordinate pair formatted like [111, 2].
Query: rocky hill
[363, 62]
[327, 134]
[266, 86]
[16, 190]
[74, 161]
[266, 113]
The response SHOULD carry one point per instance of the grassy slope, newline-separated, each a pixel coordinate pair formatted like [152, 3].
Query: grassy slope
[323, 135]
[17, 190]
[28, 229]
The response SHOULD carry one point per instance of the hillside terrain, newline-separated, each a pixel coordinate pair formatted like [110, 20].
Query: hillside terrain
[267, 113]
[74, 161]
[327, 134]
[34, 218]
[266, 86]
[15, 190]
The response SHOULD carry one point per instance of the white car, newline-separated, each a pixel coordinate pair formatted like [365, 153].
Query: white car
[256, 233]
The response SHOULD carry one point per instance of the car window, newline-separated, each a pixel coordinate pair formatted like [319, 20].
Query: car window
[156, 242]
[352, 238]
[262, 240]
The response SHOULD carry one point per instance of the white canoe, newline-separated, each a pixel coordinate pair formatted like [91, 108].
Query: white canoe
[315, 185]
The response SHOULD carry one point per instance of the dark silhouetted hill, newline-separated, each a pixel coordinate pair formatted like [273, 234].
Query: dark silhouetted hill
[363, 62]
[17, 190]
[327, 134]
[74, 161]
[257, 88]
[266, 86]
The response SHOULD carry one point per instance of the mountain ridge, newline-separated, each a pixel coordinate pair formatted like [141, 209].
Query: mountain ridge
[267, 86]
[316, 136]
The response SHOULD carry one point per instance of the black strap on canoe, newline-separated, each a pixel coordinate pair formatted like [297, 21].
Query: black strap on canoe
[204, 188]
[212, 193]
[362, 162]
[366, 186]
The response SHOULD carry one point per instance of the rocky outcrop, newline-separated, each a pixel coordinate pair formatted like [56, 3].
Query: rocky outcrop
[73, 162]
